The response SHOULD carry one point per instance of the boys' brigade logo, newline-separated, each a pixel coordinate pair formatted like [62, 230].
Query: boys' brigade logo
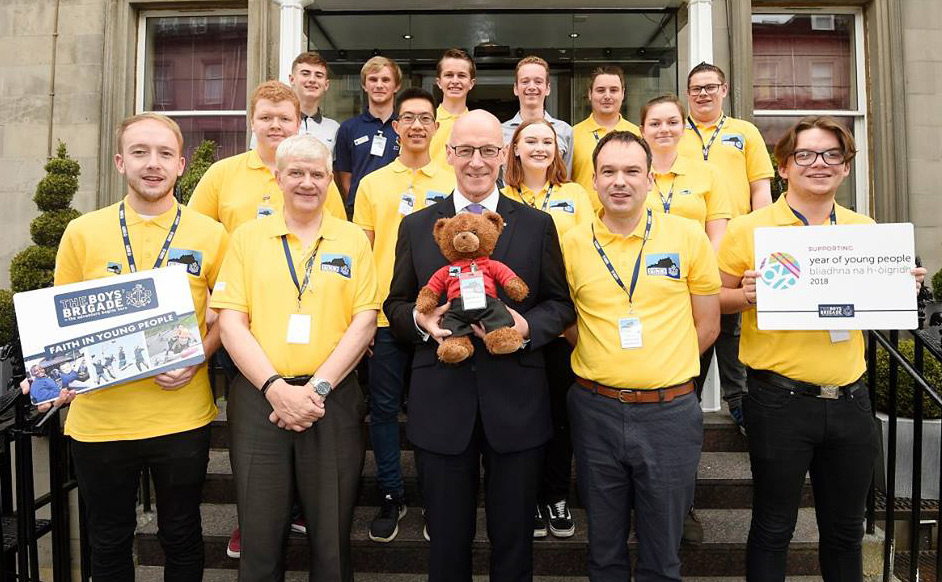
[663, 265]
[113, 268]
[736, 140]
[433, 196]
[566, 206]
[340, 264]
[192, 260]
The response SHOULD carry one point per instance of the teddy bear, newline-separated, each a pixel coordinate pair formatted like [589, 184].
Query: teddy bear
[467, 240]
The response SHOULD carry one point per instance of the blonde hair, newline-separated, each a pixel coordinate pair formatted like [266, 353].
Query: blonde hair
[376, 64]
[304, 147]
[171, 125]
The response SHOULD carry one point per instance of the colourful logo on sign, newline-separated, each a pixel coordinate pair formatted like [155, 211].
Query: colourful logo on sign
[780, 271]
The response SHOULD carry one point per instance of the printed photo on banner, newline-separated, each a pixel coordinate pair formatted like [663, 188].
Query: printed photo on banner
[107, 332]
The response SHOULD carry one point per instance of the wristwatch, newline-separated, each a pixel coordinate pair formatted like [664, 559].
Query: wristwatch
[321, 386]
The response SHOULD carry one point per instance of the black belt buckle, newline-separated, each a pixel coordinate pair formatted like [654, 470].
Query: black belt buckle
[830, 392]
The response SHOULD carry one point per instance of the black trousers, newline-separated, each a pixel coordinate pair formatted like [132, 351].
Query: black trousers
[790, 435]
[557, 466]
[108, 476]
[450, 490]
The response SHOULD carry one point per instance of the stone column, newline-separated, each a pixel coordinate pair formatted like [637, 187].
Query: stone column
[700, 20]
[291, 40]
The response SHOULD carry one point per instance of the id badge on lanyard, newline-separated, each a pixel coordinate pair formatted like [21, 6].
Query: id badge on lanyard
[472, 290]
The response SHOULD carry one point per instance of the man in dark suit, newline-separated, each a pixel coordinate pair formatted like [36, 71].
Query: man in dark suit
[490, 407]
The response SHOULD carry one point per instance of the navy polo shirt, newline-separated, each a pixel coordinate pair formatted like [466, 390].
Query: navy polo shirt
[353, 146]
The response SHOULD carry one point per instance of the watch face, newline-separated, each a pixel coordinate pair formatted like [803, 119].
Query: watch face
[322, 388]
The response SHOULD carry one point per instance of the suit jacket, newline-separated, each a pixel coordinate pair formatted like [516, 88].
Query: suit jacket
[509, 392]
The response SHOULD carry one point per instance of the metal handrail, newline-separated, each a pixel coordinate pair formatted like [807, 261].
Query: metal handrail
[915, 370]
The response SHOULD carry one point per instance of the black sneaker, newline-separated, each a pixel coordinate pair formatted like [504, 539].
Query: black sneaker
[559, 519]
[693, 529]
[385, 525]
[736, 413]
[539, 523]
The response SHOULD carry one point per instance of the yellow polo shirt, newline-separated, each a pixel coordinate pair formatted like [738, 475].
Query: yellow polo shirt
[239, 188]
[585, 135]
[738, 153]
[446, 121]
[383, 198]
[699, 192]
[568, 203]
[255, 280]
[808, 356]
[91, 248]
[678, 262]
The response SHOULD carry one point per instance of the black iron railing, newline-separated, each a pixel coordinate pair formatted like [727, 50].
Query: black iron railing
[926, 344]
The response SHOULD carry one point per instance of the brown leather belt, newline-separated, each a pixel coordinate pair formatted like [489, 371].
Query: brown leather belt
[637, 396]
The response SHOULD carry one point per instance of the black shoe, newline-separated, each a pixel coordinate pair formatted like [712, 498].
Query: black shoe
[425, 527]
[736, 413]
[539, 523]
[559, 519]
[693, 529]
[385, 526]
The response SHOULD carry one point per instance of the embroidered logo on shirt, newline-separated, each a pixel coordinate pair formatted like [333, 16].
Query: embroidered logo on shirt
[566, 206]
[433, 196]
[663, 265]
[192, 260]
[734, 139]
[340, 264]
[114, 268]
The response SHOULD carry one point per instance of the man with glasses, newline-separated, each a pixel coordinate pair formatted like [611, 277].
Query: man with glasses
[735, 148]
[531, 87]
[494, 408]
[795, 426]
[408, 184]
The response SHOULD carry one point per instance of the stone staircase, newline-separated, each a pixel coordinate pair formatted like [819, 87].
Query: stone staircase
[723, 498]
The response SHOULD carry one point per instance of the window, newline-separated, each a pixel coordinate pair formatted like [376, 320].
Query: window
[812, 63]
[192, 67]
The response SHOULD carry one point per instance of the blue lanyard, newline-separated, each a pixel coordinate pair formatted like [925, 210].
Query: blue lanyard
[549, 193]
[716, 132]
[670, 195]
[595, 134]
[132, 265]
[637, 270]
[300, 286]
[804, 220]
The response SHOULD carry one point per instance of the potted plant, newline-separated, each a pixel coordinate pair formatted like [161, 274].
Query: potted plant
[931, 426]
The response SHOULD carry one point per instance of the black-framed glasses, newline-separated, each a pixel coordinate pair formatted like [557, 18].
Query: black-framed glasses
[832, 157]
[711, 89]
[466, 151]
[409, 118]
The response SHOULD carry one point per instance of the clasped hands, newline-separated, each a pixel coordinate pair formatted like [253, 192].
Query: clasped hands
[295, 408]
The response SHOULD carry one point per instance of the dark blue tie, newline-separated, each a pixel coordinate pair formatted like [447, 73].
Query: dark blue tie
[474, 208]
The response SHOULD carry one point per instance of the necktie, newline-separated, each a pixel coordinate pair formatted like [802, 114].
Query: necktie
[474, 208]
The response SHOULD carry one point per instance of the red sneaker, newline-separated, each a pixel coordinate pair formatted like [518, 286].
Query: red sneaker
[299, 524]
[234, 547]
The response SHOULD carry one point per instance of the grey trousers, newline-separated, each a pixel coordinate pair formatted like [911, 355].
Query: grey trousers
[271, 465]
[635, 456]
[732, 372]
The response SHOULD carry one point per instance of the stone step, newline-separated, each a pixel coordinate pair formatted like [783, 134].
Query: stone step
[724, 480]
[720, 432]
[721, 554]
[156, 574]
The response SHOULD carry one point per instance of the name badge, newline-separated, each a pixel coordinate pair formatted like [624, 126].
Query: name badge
[378, 147]
[407, 204]
[839, 335]
[472, 291]
[361, 139]
[299, 329]
[263, 211]
[629, 331]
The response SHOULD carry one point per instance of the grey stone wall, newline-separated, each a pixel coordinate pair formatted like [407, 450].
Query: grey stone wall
[26, 53]
[922, 57]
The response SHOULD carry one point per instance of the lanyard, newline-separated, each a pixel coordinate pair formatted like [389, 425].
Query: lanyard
[670, 195]
[549, 193]
[716, 132]
[300, 286]
[611, 268]
[132, 265]
[595, 134]
[804, 220]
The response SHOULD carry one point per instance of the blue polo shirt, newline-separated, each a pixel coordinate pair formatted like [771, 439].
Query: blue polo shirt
[353, 146]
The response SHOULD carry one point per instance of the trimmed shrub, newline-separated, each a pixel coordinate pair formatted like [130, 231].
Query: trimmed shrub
[47, 228]
[937, 286]
[203, 158]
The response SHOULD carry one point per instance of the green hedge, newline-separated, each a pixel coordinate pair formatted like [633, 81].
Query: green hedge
[904, 391]
[937, 286]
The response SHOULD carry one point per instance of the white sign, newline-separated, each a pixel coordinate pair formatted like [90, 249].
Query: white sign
[105, 332]
[836, 277]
